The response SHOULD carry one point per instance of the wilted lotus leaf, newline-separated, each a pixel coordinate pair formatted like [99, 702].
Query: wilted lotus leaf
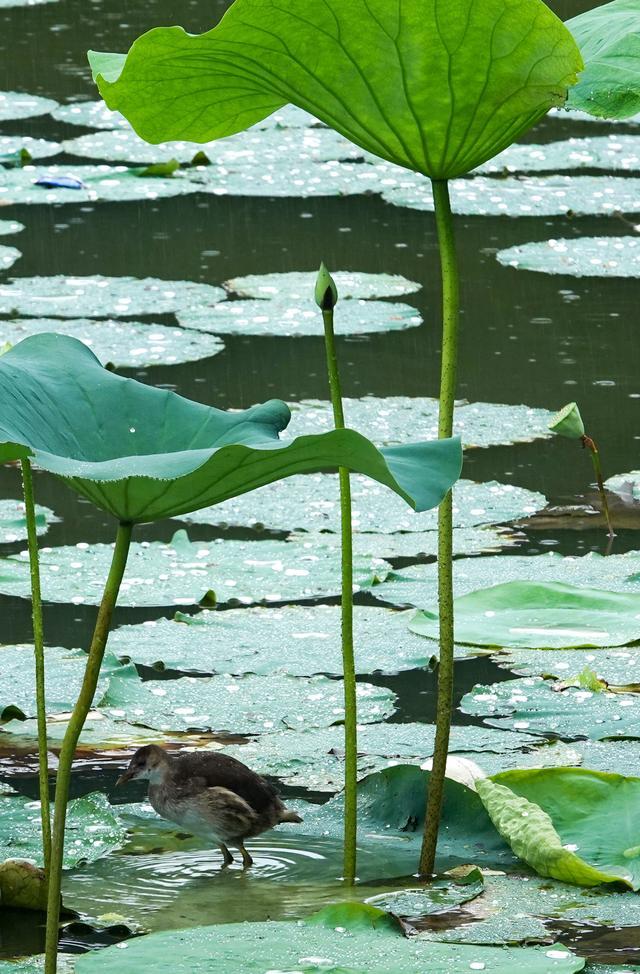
[143, 453]
[582, 257]
[23, 885]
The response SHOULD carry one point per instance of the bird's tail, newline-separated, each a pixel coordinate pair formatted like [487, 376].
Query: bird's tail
[290, 817]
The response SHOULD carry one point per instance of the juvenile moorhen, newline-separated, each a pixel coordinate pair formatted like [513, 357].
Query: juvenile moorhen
[212, 795]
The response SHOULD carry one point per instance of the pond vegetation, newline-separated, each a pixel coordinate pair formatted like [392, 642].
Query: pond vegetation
[282, 629]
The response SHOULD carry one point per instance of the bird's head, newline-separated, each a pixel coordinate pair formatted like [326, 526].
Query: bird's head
[150, 763]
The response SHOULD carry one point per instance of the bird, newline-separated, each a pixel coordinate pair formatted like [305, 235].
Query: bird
[212, 795]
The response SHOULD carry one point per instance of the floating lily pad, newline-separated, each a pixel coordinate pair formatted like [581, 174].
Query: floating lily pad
[617, 667]
[93, 829]
[9, 227]
[621, 757]
[8, 257]
[287, 318]
[627, 485]
[609, 152]
[556, 820]
[260, 948]
[299, 285]
[312, 503]
[15, 104]
[415, 544]
[86, 184]
[581, 257]
[527, 196]
[298, 640]
[539, 615]
[37, 148]
[100, 297]
[438, 897]
[183, 572]
[13, 523]
[123, 344]
[99, 733]
[239, 705]
[64, 673]
[315, 759]
[536, 706]
[398, 419]
[23, 3]
[417, 585]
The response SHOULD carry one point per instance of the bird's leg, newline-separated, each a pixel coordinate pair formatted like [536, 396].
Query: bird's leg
[226, 855]
[246, 858]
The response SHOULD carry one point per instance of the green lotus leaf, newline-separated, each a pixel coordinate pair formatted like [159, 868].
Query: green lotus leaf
[417, 585]
[9, 227]
[622, 756]
[13, 523]
[96, 115]
[65, 670]
[438, 897]
[238, 705]
[608, 152]
[582, 257]
[123, 344]
[37, 148]
[617, 667]
[559, 821]
[296, 285]
[609, 40]
[185, 573]
[537, 706]
[8, 257]
[312, 503]
[100, 733]
[259, 948]
[93, 829]
[14, 104]
[121, 443]
[432, 93]
[414, 545]
[539, 615]
[396, 419]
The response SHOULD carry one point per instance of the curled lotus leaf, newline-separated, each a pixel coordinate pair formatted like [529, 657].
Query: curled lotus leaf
[142, 453]
[432, 87]
[23, 885]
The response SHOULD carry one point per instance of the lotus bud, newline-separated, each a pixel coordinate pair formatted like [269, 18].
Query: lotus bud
[568, 422]
[326, 294]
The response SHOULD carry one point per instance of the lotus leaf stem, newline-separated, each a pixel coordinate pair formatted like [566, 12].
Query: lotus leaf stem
[38, 647]
[450, 308]
[74, 729]
[589, 444]
[348, 662]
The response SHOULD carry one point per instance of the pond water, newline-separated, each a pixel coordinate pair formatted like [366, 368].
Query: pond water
[533, 338]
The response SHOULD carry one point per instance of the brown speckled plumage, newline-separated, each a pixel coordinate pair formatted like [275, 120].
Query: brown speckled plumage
[211, 794]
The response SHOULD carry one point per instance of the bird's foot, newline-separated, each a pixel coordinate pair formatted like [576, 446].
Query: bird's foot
[227, 858]
[246, 858]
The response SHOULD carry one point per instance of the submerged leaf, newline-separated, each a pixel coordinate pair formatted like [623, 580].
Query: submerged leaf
[539, 615]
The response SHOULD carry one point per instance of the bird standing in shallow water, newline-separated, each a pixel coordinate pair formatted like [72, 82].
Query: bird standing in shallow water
[212, 795]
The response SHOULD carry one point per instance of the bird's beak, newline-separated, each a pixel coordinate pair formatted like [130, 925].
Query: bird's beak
[124, 777]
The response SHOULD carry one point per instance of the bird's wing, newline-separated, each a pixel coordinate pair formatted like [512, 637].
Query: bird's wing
[221, 771]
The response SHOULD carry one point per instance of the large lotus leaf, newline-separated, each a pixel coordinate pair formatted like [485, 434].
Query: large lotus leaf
[239, 705]
[93, 829]
[13, 145]
[396, 419]
[619, 668]
[102, 297]
[8, 227]
[312, 503]
[580, 257]
[439, 95]
[143, 453]
[310, 948]
[294, 639]
[608, 152]
[518, 196]
[609, 40]
[64, 673]
[622, 757]
[414, 545]
[15, 104]
[315, 759]
[299, 284]
[8, 257]
[559, 820]
[184, 572]
[126, 344]
[92, 184]
[95, 114]
[417, 585]
[13, 522]
[539, 615]
[536, 706]
[288, 318]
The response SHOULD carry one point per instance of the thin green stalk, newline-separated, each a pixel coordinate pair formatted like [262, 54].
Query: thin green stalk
[74, 729]
[348, 662]
[590, 445]
[38, 647]
[450, 308]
